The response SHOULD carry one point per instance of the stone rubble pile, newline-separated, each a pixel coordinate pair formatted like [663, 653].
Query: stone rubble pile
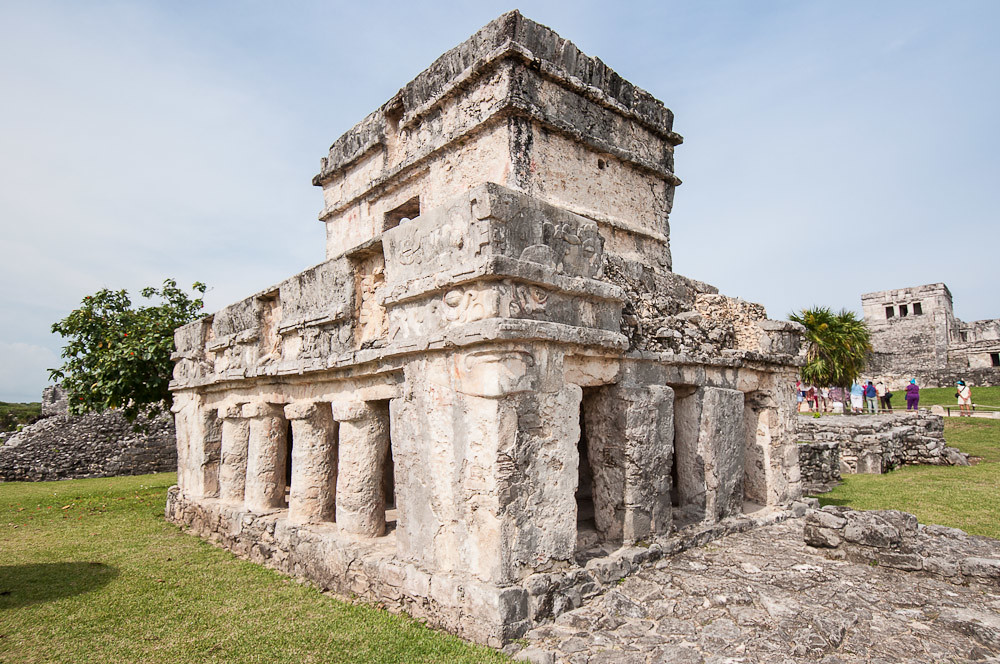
[62, 446]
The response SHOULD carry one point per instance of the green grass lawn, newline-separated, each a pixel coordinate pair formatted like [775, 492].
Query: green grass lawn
[958, 496]
[91, 572]
[945, 396]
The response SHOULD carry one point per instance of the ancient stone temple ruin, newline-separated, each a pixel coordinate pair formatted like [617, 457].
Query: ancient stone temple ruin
[915, 334]
[494, 381]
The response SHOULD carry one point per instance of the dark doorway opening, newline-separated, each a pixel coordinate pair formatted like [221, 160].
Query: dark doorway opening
[288, 460]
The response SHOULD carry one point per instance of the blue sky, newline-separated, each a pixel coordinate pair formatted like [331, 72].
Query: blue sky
[830, 148]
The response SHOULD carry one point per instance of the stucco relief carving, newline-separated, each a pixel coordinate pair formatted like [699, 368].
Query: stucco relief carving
[528, 300]
[495, 373]
[270, 340]
[432, 245]
[371, 315]
[565, 246]
[190, 370]
[455, 307]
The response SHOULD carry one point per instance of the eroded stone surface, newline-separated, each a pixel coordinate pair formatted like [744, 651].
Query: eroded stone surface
[764, 596]
[493, 398]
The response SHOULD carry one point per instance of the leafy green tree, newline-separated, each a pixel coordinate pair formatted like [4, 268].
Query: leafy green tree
[838, 346]
[117, 355]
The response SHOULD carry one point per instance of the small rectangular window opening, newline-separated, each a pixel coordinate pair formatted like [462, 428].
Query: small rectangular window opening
[903, 310]
[890, 312]
[917, 309]
[408, 210]
[995, 359]
[964, 336]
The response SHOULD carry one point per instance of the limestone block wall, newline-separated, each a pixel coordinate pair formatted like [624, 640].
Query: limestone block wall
[819, 463]
[879, 443]
[519, 106]
[894, 539]
[55, 401]
[62, 447]
[915, 334]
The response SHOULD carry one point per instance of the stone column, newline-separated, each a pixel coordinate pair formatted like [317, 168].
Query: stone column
[267, 446]
[363, 445]
[233, 470]
[314, 462]
[772, 468]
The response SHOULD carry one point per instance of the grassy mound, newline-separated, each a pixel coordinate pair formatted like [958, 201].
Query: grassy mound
[13, 414]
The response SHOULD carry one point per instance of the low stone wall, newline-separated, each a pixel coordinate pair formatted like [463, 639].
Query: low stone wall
[819, 464]
[879, 443]
[94, 445]
[894, 539]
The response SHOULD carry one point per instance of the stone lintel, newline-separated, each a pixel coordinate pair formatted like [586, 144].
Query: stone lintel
[260, 409]
[302, 410]
[231, 411]
[351, 411]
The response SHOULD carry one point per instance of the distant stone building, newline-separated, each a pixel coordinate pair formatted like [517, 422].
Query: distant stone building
[495, 381]
[915, 334]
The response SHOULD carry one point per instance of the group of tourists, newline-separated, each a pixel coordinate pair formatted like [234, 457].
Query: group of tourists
[869, 398]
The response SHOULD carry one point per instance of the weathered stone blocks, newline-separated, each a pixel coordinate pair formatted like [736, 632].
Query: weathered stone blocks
[494, 386]
[894, 539]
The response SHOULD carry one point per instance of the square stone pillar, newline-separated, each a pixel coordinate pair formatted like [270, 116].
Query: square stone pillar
[772, 456]
[314, 462]
[709, 443]
[629, 434]
[233, 469]
[485, 447]
[199, 437]
[363, 445]
[266, 450]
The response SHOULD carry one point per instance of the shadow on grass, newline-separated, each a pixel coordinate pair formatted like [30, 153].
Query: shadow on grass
[23, 585]
[826, 500]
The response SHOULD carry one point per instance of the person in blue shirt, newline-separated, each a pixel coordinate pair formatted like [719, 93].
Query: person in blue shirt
[857, 397]
[870, 395]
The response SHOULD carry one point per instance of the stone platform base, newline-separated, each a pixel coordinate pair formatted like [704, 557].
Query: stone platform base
[368, 568]
[364, 568]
